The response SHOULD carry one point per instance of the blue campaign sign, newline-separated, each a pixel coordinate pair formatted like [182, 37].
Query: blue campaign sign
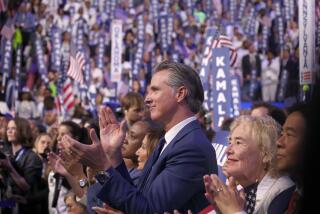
[221, 91]
[211, 35]
[235, 96]
[220, 144]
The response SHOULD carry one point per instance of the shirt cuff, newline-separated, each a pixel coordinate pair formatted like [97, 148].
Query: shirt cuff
[241, 212]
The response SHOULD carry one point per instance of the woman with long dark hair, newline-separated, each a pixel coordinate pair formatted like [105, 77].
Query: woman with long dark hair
[22, 168]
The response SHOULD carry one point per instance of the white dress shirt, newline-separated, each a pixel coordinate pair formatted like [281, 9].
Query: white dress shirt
[175, 130]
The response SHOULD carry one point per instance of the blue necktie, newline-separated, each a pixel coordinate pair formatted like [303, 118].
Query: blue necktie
[158, 150]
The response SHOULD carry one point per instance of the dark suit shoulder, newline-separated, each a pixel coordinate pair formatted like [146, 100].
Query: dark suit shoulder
[280, 203]
[193, 133]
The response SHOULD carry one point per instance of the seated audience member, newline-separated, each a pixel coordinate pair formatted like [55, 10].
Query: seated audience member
[251, 163]
[149, 143]
[290, 153]
[133, 107]
[262, 109]
[59, 186]
[174, 97]
[131, 144]
[23, 171]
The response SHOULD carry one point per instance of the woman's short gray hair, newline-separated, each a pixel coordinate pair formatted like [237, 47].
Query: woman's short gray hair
[265, 131]
[183, 75]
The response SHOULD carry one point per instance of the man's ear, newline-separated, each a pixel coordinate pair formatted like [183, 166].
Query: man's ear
[181, 93]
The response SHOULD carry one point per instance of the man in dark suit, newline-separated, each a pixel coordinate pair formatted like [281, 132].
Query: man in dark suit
[172, 177]
[251, 72]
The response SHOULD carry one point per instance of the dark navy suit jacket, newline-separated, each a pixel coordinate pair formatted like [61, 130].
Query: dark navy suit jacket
[279, 204]
[174, 181]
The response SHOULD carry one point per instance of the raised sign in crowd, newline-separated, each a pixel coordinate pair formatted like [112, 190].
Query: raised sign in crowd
[114, 106]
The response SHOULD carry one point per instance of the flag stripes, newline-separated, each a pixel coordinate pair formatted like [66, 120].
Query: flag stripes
[65, 101]
[76, 65]
[226, 42]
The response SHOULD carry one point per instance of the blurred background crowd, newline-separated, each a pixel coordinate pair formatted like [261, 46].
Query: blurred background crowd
[30, 21]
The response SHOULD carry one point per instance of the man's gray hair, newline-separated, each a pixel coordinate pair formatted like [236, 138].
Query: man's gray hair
[183, 75]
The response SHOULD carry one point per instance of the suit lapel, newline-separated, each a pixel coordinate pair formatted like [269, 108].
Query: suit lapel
[150, 169]
[187, 129]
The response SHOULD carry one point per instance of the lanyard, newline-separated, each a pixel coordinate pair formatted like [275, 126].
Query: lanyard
[21, 152]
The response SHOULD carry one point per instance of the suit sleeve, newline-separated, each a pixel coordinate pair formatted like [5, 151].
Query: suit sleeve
[123, 171]
[178, 180]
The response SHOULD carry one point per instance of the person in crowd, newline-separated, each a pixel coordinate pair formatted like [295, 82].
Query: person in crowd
[149, 143]
[42, 148]
[260, 109]
[50, 114]
[136, 86]
[251, 157]
[174, 97]
[23, 170]
[133, 107]
[290, 63]
[131, 144]
[59, 186]
[290, 153]
[26, 108]
[3, 129]
[270, 77]
[251, 72]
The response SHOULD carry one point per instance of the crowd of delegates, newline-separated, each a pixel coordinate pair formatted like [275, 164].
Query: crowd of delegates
[37, 19]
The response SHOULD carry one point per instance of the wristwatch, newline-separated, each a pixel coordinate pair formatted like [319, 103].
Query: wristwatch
[104, 176]
[83, 182]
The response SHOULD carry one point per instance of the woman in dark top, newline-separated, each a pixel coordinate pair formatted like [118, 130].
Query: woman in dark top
[22, 169]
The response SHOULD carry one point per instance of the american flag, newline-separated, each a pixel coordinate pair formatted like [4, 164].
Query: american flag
[77, 62]
[65, 100]
[7, 31]
[226, 42]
